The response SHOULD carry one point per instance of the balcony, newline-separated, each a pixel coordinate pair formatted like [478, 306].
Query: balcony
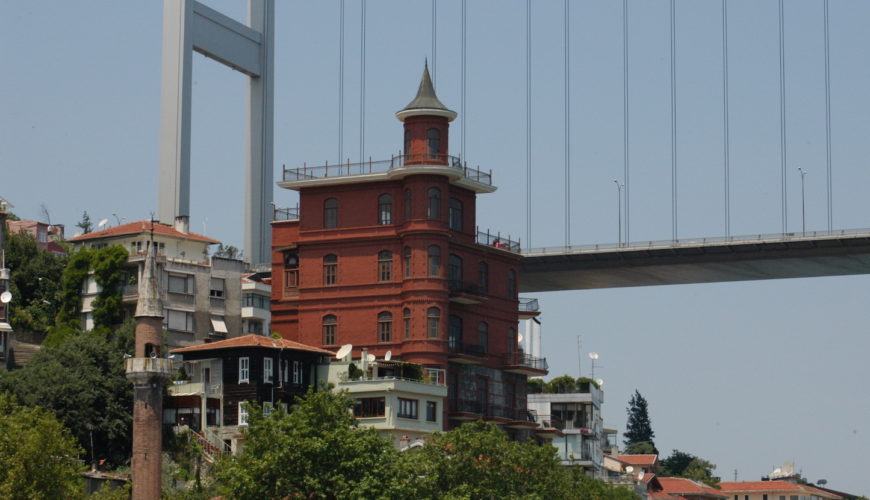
[525, 364]
[551, 427]
[130, 292]
[528, 308]
[466, 409]
[186, 388]
[394, 168]
[499, 413]
[497, 241]
[143, 371]
[522, 418]
[465, 352]
[465, 292]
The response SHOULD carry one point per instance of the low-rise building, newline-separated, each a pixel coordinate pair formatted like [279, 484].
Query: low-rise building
[688, 489]
[256, 297]
[774, 490]
[46, 235]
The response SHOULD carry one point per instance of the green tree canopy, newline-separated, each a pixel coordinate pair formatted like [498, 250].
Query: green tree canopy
[38, 455]
[85, 224]
[682, 464]
[638, 428]
[34, 283]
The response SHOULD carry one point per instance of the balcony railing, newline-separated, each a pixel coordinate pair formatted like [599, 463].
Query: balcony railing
[528, 304]
[498, 241]
[467, 406]
[499, 411]
[285, 213]
[383, 166]
[551, 421]
[458, 347]
[526, 360]
[524, 415]
[467, 287]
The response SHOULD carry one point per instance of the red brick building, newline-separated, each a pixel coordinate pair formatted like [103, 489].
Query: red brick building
[387, 256]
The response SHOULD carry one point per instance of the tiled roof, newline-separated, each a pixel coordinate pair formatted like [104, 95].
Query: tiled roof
[661, 495]
[683, 486]
[139, 227]
[742, 486]
[649, 459]
[253, 341]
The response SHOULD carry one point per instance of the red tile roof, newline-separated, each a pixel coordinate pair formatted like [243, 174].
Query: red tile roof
[747, 486]
[661, 495]
[638, 459]
[253, 340]
[682, 486]
[142, 226]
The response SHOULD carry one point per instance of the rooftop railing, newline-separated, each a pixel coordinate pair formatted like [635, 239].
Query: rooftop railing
[285, 213]
[382, 166]
[498, 241]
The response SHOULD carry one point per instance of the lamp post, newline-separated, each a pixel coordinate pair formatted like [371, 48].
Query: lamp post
[803, 204]
[593, 356]
[619, 187]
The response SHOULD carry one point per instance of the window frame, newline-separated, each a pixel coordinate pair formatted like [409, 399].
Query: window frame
[330, 269]
[406, 258]
[189, 284]
[243, 414]
[409, 207]
[433, 322]
[329, 329]
[215, 292]
[454, 269]
[385, 265]
[244, 370]
[268, 372]
[406, 322]
[330, 213]
[385, 209]
[434, 260]
[483, 335]
[385, 327]
[511, 284]
[408, 408]
[370, 407]
[431, 411]
[483, 276]
[297, 372]
[433, 142]
[454, 214]
[433, 203]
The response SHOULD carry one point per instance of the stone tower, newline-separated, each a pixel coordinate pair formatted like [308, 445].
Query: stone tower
[148, 371]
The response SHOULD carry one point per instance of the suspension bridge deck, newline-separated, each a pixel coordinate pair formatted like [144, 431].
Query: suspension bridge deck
[700, 260]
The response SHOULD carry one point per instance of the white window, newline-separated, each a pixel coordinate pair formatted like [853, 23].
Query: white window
[267, 408]
[243, 412]
[179, 320]
[286, 375]
[297, 372]
[267, 370]
[244, 370]
[181, 283]
[408, 408]
[217, 288]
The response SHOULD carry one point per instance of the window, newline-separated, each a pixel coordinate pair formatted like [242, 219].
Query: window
[512, 283]
[407, 263]
[407, 408]
[454, 332]
[483, 277]
[330, 326]
[179, 320]
[385, 327]
[407, 142]
[291, 273]
[431, 411]
[385, 209]
[267, 370]
[385, 265]
[217, 288]
[369, 407]
[243, 414]
[244, 370]
[408, 207]
[297, 373]
[454, 214]
[511, 341]
[433, 322]
[267, 408]
[406, 322]
[454, 270]
[434, 136]
[434, 260]
[255, 300]
[330, 213]
[330, 269]
[483, 335]
[180, 283]
[255, 327]
[433, 209]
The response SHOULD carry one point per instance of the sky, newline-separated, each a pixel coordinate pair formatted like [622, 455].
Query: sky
[747, 375]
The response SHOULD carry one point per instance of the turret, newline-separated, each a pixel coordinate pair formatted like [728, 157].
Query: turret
[426, 122]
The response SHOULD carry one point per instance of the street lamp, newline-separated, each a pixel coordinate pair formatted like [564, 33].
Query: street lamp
[593, 356]
[803, 204]
[619, 207]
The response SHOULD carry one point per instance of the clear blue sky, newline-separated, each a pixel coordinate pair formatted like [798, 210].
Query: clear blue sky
[747, 375]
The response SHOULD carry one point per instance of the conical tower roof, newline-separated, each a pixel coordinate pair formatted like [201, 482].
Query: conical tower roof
[149, 304]
[426, 103]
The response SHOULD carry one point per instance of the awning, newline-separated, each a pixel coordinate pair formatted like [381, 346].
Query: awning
[217, 323]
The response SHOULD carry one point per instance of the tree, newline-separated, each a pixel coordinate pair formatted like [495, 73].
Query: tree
[317, 451]
[108, 265]
[85, 224]
[638, 429]
[229, 251]
[682, 464]
[38, 455]
[34, 283]
[83, 381]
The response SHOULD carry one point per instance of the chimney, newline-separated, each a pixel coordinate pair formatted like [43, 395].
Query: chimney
[182, 224]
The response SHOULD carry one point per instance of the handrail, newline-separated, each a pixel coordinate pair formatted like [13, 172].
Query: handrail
[458, 347]
[497, 240]
[527, 360]
[285, 213]
[382, 166]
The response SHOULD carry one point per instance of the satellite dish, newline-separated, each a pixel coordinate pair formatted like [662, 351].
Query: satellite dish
[640, 476]
[593, 355]
[519, 337]
[370, 357]
[344, 351]
[388, 355]
[629, 469]
[102, 222]
[6, 297]
[599, 381]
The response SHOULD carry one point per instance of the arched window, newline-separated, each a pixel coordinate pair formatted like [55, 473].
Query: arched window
[454, 333]
[408, 207]
[434, 260]
[454, 214]
[407, 261]
[454, 270]
[330, 269]
[385, 327]
[483, 335]
[330, 213]
[407, 142]
[330, 329]
[385, 265]
[434, 136]
[291, 272]
[433, 322]
[406, 322]
[512, 284]
[512, 340]
[385, 209]
[433, 210]
[483, 277]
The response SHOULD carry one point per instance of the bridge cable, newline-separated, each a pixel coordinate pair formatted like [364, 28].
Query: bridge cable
[341, 82]
[828, 116]
[673, 121]
[725, 126]
[528, 123]
[625, 151]
[434, 40]
[567, 127]
[462, 78]
[782, 123]
[362, 83]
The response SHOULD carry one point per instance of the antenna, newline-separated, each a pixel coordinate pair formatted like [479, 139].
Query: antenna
[6, 297]
[388, 356]
[593, 356]
[579, 355]
[344, 351]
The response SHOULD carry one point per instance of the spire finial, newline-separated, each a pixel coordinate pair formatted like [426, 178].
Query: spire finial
[426, 102]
